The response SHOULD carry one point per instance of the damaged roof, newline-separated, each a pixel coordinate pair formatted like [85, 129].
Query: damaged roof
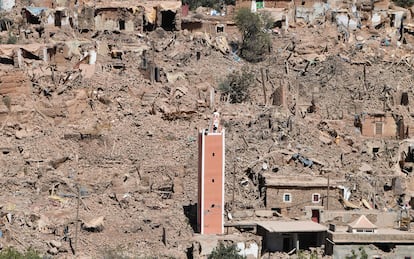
[35, 11]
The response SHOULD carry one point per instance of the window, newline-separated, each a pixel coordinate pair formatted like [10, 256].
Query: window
[121, 25]
[378, 128]
[316, 198]
[287, 197]
[365, 231]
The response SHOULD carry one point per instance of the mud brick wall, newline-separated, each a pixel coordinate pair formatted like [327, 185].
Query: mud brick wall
[300, 197]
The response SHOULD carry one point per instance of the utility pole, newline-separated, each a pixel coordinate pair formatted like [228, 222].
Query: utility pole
[77, 221]
[234, 184]
[264, 86]
[375, 194]
[327, 195]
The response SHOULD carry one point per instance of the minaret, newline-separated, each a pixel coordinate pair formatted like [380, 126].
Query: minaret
[210, 207]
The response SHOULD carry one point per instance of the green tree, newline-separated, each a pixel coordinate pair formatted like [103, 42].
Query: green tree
[235, 87]
[364, 254]
[354, 255]
[12, 253]
[404, 3]
[255, 42]
[225, 252]
[215, 4]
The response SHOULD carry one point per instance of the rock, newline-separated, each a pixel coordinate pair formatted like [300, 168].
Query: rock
[94, 225]
[55, 243]
[240, 214]
[325, 140]
[53, 251]
[365, 168]
[178, 186]
[264, 213]
[20, 134]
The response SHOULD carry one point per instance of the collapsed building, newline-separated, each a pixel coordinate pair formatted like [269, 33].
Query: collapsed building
[278, 213]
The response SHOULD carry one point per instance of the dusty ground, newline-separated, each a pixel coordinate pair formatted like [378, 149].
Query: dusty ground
[128, 146]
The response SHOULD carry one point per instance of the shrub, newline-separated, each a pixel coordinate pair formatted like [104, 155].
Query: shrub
[208, 3]
[12, 253]
[225, 252]
[404, 3]
[255, 42]
[12, 39]
[7, 101]
[235, 88]
[354, 255]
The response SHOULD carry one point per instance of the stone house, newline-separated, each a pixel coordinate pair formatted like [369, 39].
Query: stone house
[377, 124]
[283, 236]
[294, 196]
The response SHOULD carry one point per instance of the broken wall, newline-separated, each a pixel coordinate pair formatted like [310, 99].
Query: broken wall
[203, 26]
[86, 19]
[243, 4]
[379, 126]
[113, 19]
[7, 5]
[42, 3]
[14, 88]
[310, 11]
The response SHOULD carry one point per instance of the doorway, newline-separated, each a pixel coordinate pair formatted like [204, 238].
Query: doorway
[168, 20]
[315, 216]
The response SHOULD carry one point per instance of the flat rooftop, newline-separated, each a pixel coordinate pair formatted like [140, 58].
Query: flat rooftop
[291, 226]
[277, 180]
[383, 235]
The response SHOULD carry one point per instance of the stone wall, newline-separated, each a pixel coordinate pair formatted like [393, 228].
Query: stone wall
[371, 129]
[300, 197]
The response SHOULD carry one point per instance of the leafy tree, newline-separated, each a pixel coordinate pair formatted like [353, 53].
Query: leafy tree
[256, 42]
[225, 252]
[236, 86]
[404, 3]
[12, 253]
[216, 4]
[354, 255]
[364, 254]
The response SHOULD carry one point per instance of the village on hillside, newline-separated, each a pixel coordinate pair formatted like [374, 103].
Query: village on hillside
[207, 129]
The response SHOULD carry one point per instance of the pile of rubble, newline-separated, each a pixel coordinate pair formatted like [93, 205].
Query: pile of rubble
[99, 124]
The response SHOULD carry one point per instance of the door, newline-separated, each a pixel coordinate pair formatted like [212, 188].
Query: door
[315, 216]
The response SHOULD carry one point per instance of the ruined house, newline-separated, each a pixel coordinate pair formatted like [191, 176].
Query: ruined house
[259, 4]
[377, 124]
[214, 25]
[128, 16]
[292, 196]
[114, 16]
[14, 54]
[310, 11]
[281, 11]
